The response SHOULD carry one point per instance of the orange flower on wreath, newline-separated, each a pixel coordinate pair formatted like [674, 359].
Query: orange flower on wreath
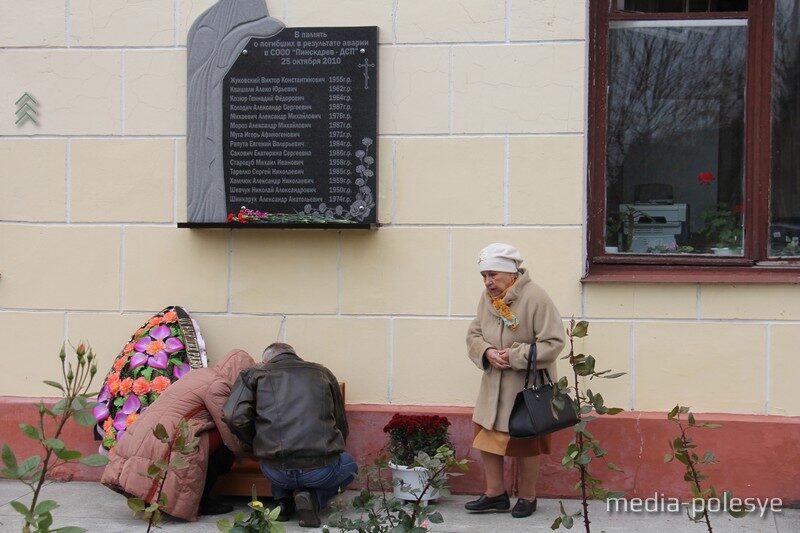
[108, 425]
[141, 386]
[125, 386]
[153, 322]
[131, 419]
[127, 349]
[120, 362]
[113, 383]
[160, 384]
[155, 346]
[169, 317]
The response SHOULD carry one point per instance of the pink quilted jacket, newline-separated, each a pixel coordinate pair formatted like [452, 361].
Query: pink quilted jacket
[200, 396]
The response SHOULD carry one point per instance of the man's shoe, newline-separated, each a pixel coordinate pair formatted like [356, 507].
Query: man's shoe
[209, 507]
[287, 509]
[307, 509]
[499, 503]
[524, 508]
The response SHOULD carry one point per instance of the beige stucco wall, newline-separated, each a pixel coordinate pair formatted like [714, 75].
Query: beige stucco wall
[482, 123]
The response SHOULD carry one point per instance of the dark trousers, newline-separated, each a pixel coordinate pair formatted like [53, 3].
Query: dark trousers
[219, 462]
[325, 482]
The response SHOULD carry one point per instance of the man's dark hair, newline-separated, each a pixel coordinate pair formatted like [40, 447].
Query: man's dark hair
[276, 348]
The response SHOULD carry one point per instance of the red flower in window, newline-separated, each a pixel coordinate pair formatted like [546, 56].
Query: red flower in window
[738, 209]
[705, 178]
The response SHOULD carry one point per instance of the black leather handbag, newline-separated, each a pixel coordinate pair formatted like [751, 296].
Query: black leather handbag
[533, 414]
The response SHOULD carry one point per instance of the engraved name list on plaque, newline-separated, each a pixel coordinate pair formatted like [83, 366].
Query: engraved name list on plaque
[299, 128]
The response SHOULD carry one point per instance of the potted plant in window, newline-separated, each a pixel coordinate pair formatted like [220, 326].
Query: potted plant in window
[792, 247]
[410, 435]
[613, 227]
[628, 218]
[722, 230]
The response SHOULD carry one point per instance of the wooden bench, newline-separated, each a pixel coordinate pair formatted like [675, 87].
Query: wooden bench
[245, 473]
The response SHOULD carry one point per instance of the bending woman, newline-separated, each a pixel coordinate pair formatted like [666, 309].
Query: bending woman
[199, 397]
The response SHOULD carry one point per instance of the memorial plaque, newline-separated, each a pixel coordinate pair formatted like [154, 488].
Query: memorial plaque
[299, 128]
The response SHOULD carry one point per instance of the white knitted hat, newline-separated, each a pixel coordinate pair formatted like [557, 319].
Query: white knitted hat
[499, 257]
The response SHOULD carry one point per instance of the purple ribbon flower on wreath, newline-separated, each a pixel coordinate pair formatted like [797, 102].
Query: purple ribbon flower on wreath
[155, 348]
[180, 370]
[131, 405]
[100, 411]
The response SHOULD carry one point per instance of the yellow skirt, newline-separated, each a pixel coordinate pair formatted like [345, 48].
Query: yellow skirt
[500, 443]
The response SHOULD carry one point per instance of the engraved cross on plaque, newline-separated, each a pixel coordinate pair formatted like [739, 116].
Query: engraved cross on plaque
[366, 65]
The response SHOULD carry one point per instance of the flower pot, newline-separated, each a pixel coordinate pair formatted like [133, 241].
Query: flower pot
[413, 479]
[725, 251]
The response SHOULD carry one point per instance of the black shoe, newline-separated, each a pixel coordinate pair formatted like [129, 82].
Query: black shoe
[287, 509]
[307, 509]
[499, 503]
[524, 508]
[210, 507]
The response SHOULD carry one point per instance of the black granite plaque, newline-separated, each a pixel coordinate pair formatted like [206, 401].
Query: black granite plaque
[300, 128]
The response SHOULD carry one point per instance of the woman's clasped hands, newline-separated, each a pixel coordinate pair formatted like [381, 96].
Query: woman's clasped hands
[497, 358]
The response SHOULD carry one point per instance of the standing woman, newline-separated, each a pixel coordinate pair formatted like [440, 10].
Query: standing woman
[512, 313]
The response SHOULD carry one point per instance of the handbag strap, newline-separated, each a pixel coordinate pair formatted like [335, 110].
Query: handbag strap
[532, 362]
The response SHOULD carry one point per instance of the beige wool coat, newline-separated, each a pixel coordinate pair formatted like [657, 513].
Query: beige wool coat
[538, 318]
[200, 396]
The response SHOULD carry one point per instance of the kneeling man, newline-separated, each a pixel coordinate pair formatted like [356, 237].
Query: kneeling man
[291, 413]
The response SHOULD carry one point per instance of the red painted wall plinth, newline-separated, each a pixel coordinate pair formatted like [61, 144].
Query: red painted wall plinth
[754, 452]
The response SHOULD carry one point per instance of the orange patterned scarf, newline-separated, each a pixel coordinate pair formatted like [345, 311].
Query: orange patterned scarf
[506, 314]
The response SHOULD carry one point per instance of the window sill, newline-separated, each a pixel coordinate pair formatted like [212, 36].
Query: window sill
[599, 273]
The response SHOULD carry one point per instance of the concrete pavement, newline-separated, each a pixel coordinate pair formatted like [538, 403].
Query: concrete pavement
[98, 509]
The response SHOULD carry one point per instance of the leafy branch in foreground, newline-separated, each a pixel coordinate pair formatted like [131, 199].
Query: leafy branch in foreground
[683, 451]
[580, 450]
[177, 447]
[261, 519]
[378, 512]
[75, 404]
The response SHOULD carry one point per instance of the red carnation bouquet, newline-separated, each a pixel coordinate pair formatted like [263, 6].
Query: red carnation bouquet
[411, 434]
